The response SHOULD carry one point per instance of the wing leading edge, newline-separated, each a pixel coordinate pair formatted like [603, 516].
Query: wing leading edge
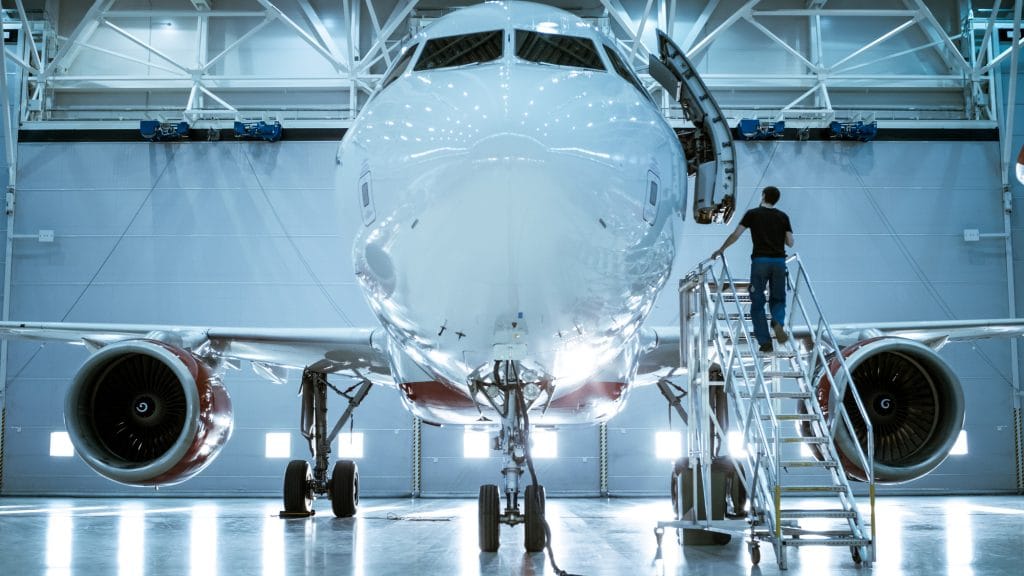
[332, 350]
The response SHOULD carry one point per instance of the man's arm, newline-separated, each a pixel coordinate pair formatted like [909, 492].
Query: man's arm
[730, 240]
[789, 239]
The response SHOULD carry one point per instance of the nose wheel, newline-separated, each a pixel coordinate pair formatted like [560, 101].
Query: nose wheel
[534, 536]
[490, 518]
[488, 506]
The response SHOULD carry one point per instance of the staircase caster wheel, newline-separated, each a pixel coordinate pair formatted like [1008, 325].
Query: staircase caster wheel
[488, 512]
[298, 494]
[344, 486]
[855, 554]
[755, 554]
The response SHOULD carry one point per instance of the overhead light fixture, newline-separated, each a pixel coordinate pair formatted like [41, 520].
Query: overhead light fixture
[202, 5]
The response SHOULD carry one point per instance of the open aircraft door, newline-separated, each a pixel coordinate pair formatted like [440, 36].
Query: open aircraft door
[710, 154]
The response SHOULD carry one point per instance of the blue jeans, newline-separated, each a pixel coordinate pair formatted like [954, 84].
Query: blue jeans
[770, 272]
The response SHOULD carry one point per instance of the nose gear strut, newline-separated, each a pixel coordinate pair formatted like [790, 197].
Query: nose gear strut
[505, 394]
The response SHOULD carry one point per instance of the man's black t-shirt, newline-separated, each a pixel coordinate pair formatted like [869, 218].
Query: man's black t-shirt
[768, 227]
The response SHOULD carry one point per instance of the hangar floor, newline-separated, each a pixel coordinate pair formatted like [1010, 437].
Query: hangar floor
[964, 536]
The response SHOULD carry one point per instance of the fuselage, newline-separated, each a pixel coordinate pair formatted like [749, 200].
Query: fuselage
[517, 193]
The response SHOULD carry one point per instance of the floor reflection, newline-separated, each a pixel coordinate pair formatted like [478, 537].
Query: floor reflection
[398, 537]
[203, 541]
[959, 539]
[60, 537]
[272, 545]
[131, 539]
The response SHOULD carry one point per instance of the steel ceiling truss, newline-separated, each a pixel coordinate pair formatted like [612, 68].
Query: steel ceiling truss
[193, 89]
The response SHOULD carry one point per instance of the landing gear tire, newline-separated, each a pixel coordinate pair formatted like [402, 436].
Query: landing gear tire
[534, 537]
[678, 468]
[345, 489]
[488, 509]
[298, 493]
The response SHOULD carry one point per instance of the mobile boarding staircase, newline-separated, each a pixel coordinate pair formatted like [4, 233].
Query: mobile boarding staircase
[773, 402]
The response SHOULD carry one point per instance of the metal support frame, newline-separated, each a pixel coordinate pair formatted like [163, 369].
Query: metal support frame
[352, 57]
[820, 78]
[10, 136]
[1007, 162]
[602, 446]
[417, 457]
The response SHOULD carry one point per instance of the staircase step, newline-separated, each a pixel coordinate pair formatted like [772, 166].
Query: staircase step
[745, 353]
[771, 373]
[802, 439]
[777, 395]
[792, 417]
[823, 513]
[807, 464]
[809, 489]
[827, 541]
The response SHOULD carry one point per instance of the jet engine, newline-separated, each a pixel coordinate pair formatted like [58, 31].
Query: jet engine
[145, 413]
[913, 399]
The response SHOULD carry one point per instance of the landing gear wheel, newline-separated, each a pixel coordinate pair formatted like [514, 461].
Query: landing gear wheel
[855, 554]
[298, 495]
[534, 538]
[345, 489]
[736, 496]
[488, 509]
[678, 468]
[755, 554]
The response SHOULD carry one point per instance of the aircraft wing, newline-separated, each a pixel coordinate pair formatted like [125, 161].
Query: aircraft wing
[662, 342]
[335, 350]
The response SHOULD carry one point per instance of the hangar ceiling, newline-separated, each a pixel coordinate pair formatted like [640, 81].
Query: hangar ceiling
[313, 63]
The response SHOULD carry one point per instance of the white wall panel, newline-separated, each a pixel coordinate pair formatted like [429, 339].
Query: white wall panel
[241, 233]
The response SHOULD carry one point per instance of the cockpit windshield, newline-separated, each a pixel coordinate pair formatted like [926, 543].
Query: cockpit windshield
[461, 50]
[557, 49]
[399, 67]
[622, 70]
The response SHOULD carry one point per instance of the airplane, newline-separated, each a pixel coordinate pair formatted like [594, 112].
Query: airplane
[519, 197]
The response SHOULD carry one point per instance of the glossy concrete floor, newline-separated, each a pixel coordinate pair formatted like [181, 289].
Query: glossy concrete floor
[963, 536]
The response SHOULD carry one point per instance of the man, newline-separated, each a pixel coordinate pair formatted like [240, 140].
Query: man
[771, 232]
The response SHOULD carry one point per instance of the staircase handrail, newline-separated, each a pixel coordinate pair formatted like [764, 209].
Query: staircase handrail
[838, 386]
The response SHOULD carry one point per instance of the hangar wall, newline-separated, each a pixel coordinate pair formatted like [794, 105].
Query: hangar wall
[243, 233]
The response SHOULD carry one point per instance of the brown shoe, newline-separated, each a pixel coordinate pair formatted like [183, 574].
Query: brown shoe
[780, 333]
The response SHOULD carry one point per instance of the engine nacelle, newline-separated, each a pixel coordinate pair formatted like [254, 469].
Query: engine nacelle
[914, 401]
[145, 413]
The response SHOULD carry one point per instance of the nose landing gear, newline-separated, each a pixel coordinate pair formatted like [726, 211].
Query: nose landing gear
[505, 395]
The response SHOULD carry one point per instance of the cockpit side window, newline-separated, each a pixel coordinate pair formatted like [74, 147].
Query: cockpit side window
[400, 66]
[461, 50]
[557, 49]
[622, 70]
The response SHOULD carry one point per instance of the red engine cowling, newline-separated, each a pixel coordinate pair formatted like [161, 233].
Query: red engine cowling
[913, 399]
[145, 413]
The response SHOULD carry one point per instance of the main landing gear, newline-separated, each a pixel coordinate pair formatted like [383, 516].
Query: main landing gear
[511, 399]
[303, 483]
